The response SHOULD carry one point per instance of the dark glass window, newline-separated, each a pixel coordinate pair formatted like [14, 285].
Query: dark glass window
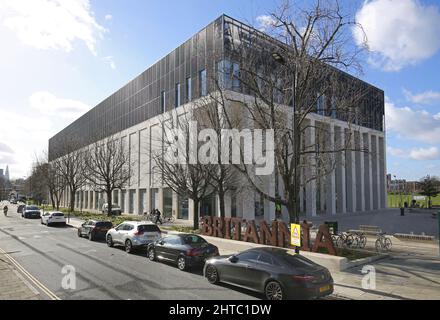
[188, 89]
[163, 101]
[202, 83]
[177, 100]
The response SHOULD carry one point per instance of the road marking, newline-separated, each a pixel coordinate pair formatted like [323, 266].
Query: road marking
[42, 287]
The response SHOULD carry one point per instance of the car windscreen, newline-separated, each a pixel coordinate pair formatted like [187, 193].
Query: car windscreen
[58, 214]
[298, 261]
[148, 228]
[32, 208]
[104, 224]
[193, 240]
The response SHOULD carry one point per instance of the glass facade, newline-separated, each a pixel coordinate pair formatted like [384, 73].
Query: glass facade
[193, 63]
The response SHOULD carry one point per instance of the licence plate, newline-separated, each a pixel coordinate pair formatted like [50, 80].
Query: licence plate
[324, 289]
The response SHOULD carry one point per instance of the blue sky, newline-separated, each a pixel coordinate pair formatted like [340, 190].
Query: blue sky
[61, 57]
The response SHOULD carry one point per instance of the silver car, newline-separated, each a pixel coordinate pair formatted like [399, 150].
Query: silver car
[133, 235]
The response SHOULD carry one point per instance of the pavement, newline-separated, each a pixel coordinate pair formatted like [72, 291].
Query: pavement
[110, 273]
[13, 283]
[389, 220]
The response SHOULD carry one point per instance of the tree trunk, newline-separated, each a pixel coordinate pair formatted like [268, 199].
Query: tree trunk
[221, 197]
[109, 203]
[72, 201]
[53, 200]
[196, 214]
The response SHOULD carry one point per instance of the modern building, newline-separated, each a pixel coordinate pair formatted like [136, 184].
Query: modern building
[181, 78]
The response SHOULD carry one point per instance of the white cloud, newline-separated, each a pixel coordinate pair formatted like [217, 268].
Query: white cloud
[110, 61]
[399, 32]
[265, 22]
[27, 133]
[422, 154]
[52, 24]
[108, 17]
[395, 152]
[419, 154]
[412, 124]
[427, 97]
[49, 105]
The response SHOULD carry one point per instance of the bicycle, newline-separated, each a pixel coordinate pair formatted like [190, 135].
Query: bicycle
[344, 240]
[169, 219]
[383, 242]
[360, 240]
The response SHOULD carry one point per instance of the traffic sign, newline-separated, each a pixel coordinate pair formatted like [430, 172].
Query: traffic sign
[295, 230]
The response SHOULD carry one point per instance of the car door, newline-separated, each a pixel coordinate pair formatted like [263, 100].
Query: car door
[242, 270]
[174, 248]
[117, 235]
[262, 271]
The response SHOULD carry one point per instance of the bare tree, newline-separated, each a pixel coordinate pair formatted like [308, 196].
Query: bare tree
[209, 113]
[108, 167]
[173, 164]
[290, 75]
[69, 163]
[52, 180]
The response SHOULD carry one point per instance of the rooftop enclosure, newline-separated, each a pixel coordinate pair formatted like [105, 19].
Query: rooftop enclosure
[182, 76]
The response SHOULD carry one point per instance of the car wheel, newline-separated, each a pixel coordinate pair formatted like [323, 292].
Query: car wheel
[91, 237]
[79, 233]
[151, 254]
[273, 291]
[128, 246]
[212, 274]
[181, 263]
[109, 241]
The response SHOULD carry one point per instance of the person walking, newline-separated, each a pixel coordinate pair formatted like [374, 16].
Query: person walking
[158, 216]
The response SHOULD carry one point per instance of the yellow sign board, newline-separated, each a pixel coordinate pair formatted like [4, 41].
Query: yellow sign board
[295, 235]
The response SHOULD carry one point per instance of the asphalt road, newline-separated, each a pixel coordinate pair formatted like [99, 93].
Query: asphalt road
[101, 272]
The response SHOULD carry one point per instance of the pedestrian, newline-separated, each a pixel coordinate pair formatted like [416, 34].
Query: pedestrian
[158, 216]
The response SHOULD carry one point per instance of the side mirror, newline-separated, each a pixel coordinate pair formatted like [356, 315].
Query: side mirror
[161, 242]
[233, 259]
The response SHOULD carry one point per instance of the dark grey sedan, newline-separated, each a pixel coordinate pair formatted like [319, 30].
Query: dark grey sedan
[186, 250]
[277, 273]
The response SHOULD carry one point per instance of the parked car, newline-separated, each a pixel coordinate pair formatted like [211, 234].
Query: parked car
[277, 273]
[116, 210]
[53, 217]
[133, 235]
[94, 229]
[20, 208]
[31, 212]
[186, 250]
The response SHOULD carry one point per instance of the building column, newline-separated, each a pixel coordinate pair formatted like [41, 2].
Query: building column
[94, 200]
[374, 171]
[360, 172]
[248, 202]
[351, 173]
[340, 171]
[368, 181]
[311, 171]
[331, 178]
[136, 202]
[148, 200]
[175, 204]
[383, 171]
[228, 204]
[160, 200]
[377, 185]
